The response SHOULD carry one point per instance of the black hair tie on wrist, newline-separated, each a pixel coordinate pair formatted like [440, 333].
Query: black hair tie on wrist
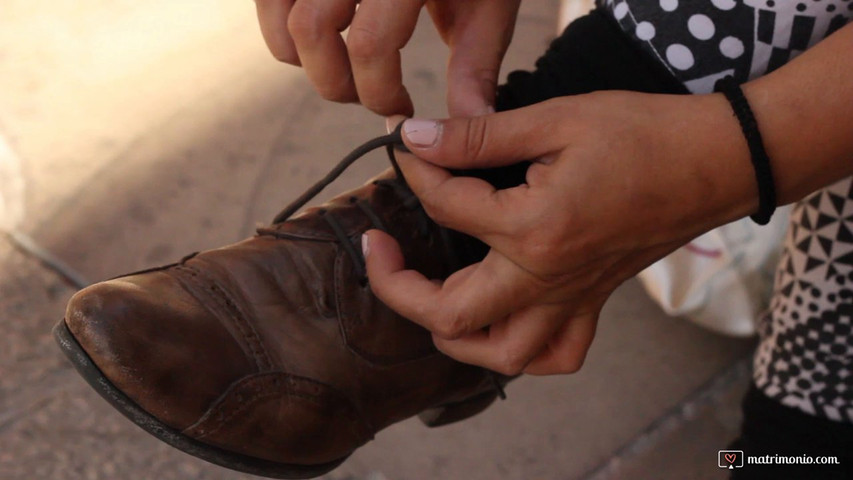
[760, 161]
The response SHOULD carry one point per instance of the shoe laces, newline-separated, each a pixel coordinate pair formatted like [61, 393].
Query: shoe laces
[392, 142]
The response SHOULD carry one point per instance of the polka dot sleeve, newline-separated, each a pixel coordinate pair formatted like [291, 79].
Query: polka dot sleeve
[703, 41]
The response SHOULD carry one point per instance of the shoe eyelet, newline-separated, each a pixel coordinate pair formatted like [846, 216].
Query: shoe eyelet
[353, 199]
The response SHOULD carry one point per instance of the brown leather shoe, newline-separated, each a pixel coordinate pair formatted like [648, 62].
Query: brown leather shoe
[272, 356]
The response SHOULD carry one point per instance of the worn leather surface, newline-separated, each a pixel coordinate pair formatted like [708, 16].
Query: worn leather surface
[273, 347]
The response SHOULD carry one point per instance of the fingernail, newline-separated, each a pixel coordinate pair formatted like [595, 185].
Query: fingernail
[422, 133]
[365, 245]
[392, 122]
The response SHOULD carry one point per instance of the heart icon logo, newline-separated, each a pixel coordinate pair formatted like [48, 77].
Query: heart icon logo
[731, 457]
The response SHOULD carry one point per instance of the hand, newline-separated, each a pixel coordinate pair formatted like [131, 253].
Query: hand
[621, 179]
[366, 67]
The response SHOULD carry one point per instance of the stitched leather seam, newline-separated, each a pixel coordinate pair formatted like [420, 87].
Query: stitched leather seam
[288, 386]
[250, 402]
[227, 305]
[240, 319]
[216, 307]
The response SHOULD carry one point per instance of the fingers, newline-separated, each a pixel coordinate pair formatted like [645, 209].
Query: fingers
[486, 211]
[466, 204]
[390, 280]
[522, 336]
[496, 140]
[508, 346]
[391, 124]
[481, 35]
[272, 18]
[566, 350]
[366, 67]
[465, 302]
[315, 27]
[379, 30]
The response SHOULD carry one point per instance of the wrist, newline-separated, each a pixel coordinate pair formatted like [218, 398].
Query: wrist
[705, 141]
[804, 110]
[798, 136]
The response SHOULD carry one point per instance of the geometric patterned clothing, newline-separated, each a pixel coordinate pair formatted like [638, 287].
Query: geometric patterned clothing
[805, 355]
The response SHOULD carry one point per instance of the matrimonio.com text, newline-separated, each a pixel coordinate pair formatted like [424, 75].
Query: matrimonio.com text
[790, 460]
[732, 459]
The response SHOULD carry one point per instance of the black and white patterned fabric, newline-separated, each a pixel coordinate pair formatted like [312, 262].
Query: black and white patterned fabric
[701, 41]
[805, 354]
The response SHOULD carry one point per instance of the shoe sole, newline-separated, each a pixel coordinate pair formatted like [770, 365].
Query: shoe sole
[455, 412]
[121, 402]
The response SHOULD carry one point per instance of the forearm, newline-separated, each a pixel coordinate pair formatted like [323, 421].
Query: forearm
[805, 113]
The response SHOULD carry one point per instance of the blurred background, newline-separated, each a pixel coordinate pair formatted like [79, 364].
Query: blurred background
[134, 132]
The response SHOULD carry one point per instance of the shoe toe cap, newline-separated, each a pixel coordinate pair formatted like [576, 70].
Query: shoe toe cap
[157, 344]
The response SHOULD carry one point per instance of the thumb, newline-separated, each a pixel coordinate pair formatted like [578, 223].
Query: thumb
[494, 140]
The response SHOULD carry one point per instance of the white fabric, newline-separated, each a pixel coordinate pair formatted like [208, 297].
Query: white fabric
[723, 279]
